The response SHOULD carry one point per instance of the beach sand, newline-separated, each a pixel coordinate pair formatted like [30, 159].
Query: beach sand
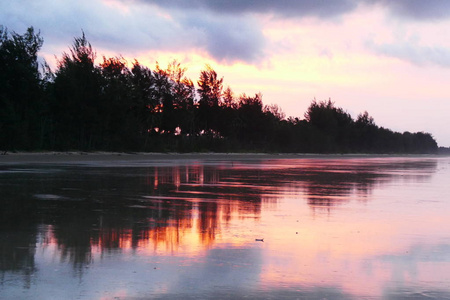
[87, 157]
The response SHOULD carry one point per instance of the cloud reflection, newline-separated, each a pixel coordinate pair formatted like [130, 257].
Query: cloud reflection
[87, 213]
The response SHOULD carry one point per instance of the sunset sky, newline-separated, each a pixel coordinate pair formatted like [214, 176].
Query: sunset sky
[391, 58]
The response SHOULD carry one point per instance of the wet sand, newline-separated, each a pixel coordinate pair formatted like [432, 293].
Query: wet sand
[54, 157]
[189, 226]
[80, 157]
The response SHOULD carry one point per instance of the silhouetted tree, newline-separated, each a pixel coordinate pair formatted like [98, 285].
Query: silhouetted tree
[364, 120]
[210, 93]
[166, 98]
[365, 133]
[183, 94]
[276, 130]
[333, 123]
[226, 114]
[118, 122]
[419, 142]
[22, 109]
[145, 101]
[210, 87]
[85, 106]
[78, 92]
[228, 99]
[252, 125]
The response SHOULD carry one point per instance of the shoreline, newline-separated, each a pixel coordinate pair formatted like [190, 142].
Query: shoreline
[74, 157]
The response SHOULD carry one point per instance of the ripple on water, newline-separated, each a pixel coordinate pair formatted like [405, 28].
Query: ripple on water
[52, 197]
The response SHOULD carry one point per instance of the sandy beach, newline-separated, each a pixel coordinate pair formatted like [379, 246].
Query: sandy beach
[75, 157]
[80, 157]
[81, 225]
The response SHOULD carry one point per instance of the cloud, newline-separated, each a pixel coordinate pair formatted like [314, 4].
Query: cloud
[134, 27]
[292, 8]
[414, 53]
[60, 21]
[412, 9]
[228, 31]
[418, 10]
[228, 39]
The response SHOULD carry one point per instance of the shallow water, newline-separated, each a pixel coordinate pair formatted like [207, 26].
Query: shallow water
[322, 228]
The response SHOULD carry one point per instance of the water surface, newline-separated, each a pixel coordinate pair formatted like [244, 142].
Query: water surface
[308, 228]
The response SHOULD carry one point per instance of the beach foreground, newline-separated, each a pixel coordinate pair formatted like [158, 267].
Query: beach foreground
[75, 157]
[228, 226]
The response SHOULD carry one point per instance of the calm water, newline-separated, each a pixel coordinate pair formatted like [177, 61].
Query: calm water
[324, 228]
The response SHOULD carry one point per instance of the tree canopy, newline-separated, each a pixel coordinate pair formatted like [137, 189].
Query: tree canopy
[21, 96]
[110, 106]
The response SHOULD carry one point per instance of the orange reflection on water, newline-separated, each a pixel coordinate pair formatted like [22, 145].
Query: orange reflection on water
[319, 251]
[357, 225]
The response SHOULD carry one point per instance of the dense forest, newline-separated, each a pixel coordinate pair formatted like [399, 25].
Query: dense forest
[113, 107]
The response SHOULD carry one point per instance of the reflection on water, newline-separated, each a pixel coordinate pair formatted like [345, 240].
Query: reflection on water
[332, 228]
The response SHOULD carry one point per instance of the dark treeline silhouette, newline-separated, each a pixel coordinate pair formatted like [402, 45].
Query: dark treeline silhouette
[110, 106]
[444, 150]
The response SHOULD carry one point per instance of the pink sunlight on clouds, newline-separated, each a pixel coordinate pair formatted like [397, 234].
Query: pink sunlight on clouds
[391, 59]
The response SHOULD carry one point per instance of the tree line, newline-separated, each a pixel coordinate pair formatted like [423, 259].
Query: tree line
[113, 107]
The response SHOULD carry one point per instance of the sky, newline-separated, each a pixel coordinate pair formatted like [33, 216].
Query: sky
[390, 58]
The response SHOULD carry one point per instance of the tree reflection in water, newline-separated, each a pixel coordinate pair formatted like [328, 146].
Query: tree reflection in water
[83, 210]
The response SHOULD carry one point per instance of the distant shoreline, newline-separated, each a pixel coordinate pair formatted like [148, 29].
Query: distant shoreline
[74, 157]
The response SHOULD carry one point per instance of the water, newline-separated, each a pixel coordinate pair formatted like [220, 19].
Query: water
[206, 227]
